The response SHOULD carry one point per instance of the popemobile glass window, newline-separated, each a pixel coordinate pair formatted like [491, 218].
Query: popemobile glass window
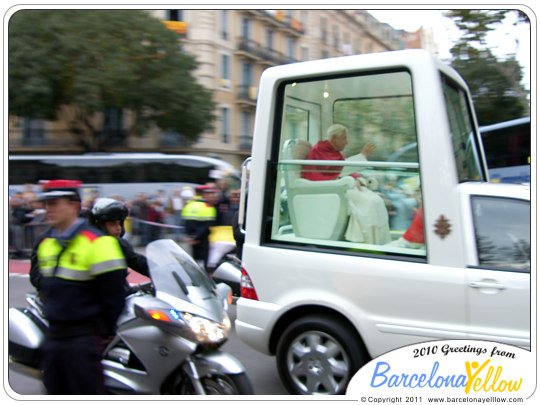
[346, 166]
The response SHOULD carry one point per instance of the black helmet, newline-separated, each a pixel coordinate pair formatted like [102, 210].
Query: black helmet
[105, 210]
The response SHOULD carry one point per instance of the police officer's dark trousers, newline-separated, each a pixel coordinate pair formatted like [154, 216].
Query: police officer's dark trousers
[72, 366]
[201, 251]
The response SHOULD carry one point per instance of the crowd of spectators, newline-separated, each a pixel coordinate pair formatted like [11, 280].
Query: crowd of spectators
[152, 216]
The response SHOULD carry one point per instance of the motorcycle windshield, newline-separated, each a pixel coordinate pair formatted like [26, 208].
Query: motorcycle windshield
[176, 274]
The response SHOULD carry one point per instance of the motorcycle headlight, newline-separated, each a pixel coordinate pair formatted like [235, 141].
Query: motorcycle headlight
[205, 330]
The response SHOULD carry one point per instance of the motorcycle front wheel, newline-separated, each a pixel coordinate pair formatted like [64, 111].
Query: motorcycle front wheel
[217, 384]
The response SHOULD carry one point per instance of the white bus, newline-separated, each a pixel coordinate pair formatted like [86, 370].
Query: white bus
[118, 174]
[508, 150]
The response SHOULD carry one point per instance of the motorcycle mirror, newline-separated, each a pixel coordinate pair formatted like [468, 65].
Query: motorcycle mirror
[224, 292]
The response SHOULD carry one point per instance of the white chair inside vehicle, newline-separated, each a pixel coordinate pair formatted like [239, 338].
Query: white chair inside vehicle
[318, 209]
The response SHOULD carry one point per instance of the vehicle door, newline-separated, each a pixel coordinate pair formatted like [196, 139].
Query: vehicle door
[498, 276]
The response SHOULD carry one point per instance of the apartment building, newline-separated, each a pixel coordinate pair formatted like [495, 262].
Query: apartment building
[233, 47]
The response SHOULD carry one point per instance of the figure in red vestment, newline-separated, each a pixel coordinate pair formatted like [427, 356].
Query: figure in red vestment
[331, 149]
[368, 220]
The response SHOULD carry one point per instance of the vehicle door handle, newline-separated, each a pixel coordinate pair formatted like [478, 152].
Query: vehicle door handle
[491, 284]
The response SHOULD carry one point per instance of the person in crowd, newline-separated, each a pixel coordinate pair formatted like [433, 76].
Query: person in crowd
[176, 204]
[109, 215]
[198, 216]
[187, 194]
[238, 234]
[80, 278]
[160, 202]
[234, 204]
[155, 218]
[222, 202]
[19, 215]
[368, 221]
[139, 212]
[28, 195]
[414, 237]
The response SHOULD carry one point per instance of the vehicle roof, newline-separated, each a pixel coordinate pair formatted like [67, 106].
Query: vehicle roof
[508, 190]
[418, 58]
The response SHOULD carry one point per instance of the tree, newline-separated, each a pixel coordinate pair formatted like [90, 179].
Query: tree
[80, 63]
[492, 83]
[495, 84]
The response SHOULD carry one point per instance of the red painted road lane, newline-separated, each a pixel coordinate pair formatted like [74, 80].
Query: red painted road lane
[23, 267]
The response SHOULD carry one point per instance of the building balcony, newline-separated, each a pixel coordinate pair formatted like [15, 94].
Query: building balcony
[279, 20]
[257, 53]
[249, 49]
[244, 143]
[246, 95]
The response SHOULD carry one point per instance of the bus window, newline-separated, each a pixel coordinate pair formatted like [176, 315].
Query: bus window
[354, 198]
[508, 150]
[119, 174]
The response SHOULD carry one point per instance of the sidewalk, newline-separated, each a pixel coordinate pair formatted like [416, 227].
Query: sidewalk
[23, 267]
[19, 266]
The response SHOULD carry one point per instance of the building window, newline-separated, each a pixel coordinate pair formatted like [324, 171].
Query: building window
[247, 74]
[288, 16]
[245, 138]
[224, 24]
[175, 15]
[357, 48]
[304, 20]
[246, 28]
[225, 79]
[347, 45]
[225, 131]
[290, 48]
[305, 53]
[269, 39]
[324, 33]
[336, 36]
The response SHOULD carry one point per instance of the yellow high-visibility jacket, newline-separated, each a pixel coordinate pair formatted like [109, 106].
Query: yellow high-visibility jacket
[82, 280]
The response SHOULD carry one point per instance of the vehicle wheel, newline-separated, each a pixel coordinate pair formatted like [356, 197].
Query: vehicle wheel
[233, 384]
[318, 355]
[218, 384]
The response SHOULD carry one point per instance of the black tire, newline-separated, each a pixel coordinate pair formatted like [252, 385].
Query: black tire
[218, 384]
[318, 355]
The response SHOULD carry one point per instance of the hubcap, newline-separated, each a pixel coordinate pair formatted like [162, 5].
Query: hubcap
[317, 363]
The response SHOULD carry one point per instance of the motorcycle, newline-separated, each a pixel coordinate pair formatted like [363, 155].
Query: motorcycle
[229, 271]
[167, 339]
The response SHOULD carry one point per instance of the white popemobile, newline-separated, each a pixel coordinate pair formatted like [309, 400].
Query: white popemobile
[457, 265]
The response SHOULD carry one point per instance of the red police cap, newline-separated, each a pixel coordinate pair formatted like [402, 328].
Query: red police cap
[204, 189]
[60, 188]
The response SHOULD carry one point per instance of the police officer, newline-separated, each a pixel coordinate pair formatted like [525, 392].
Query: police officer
[81, 285]
[198, 216]
[109, 215]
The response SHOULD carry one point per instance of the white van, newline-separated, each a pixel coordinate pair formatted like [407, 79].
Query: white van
[383, 252]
